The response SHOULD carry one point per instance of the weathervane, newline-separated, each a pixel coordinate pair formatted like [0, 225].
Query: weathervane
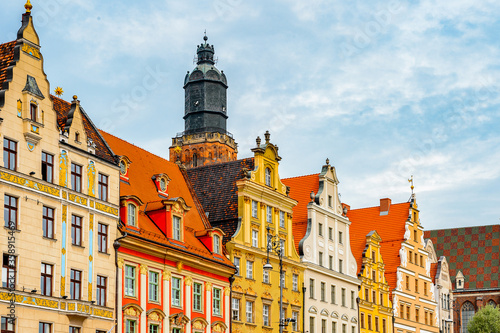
[411, 181]
[59, 91]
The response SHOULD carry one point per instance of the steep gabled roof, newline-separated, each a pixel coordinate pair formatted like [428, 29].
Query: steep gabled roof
[300, 190]
[215, 186]
[102, 150]
[143, 166]
[473, 250]
[390, 227]
[6, 59]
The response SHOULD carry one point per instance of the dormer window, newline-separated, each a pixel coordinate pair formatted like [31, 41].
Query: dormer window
[268, 176]
[163, 185]
[123, 167]
[132, 215]
[33, 109]
[216, 244]
[176, 228]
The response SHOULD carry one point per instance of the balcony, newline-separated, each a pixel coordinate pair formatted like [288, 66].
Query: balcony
[31, 131]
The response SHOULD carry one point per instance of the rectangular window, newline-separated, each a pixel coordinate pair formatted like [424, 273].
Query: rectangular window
[265, 276]
[330, 201]
[75, 286]
[362, 319]
[341, 239]
[102, 187]
[311, 288]
[269, 214]
[311, 324]
[8, 271]
[235, 309]
[33, 111]
[176, 291]
[353, 301]
[367, 295]
[249, 269]
[402, 311]
[102, 238]
[76, 177]
[374, 297]
[421, 261]
[425, 288]
[381, 299]
[407, 282]
[384, 326]
[47, 167]
[323, 287]
[153, 328]
[48, 222]
[101, 290]
[76, 230]
[416, 285]
[255, 238]
[417, 315]
[197, 296]
[254, 209]
[9, 154]
[216, 297]
[323, 325]
[341, 266]
[8, 325]
[295, 322]
[343, 297]
[376, 324]
[374, 276]
[369, 321]
[73, 329]
[410, 256]
[330, 262]
[330, 233]
[334, 327]
[295, 282]
[130, 326]
[176, 228]
[129, 280]
[282, 245]
[282, 219]
[237, 264]
[131, 215]
[10, 211]
[153, 286]
[249, 312]
[44, 327]
[320, 259]
[320, 229]
[46, 280]
[425, 317]
[332, 294]
[265, 315]
[407, 312]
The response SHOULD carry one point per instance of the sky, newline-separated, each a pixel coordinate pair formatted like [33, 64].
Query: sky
[384, 89]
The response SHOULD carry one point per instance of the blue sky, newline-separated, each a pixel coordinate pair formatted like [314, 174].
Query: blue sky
[384, 89]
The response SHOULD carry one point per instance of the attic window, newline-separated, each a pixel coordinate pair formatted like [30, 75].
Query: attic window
[132, 215]
[163, 184]
[176, 228]
[123, 167]
[216, 244]
[77, 137]
[33, 108]
[268, 176]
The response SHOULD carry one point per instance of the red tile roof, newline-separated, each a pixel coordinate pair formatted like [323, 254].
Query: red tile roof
[390, 227]
[300, 190]
[62, 108]
[6, 59]
[473, 250]
[143, 166]
[215, 186]
[434, 268]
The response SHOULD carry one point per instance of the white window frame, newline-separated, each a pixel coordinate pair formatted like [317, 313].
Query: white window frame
[153, 286]
[255, 205]
[282, 219]
[265, 276]
[235, 309]
[265, 314]
[176, 299]
[249, 309]
[249, 272]
[132, 215]
[176, 228]
[216, 301]
[255, 238]
[130, 279]
[216, 244]
[268, 177]
[269, 214]
[197, 297]
[295, 282]
[237, 263]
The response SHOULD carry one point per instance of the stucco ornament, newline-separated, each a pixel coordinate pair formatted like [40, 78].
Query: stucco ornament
[400, 280]
[404, 257]
[428, 267]
[395, 306]
[407, 232]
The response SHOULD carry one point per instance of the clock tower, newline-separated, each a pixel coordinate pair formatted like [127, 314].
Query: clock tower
[205, 139]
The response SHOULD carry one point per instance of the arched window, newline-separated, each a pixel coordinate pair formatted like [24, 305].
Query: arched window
[195, 160]
[33, 108]
[492, 303]
[132, 216]
[123, 167]
[467, 314]
[268, 176]
[216, 244]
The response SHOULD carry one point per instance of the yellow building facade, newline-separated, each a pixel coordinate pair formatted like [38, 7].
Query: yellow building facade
[59, 189]
[375, 306]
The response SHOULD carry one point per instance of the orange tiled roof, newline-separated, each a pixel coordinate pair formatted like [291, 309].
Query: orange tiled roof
[434, 268]
[62, 108]
[300, 190]
[6, 58]
[144, 165]
[390, 227]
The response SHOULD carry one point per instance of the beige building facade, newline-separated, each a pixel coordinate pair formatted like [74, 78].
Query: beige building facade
[59, 189]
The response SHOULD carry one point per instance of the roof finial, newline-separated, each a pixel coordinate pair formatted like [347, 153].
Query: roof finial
[411, 181]
[28, 6]
[205, 38]
[327, 161]
[267, 135]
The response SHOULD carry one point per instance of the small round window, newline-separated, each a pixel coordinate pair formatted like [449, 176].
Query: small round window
[163, 184]
[123, 168]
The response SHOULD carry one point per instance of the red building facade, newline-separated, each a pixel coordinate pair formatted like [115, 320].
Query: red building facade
[172, 274]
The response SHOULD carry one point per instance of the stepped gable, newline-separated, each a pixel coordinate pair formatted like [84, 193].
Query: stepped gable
[215, 187]
[473, 250]
[143, 166]
[6, 59]
[300, 190]
[390, 227]
[102, 150]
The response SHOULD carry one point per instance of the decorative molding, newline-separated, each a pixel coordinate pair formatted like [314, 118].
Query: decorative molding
[166, 276]
[32, 51]
[143, 269]
[29, 183]
[188, 281]
[120, 262]
[208, 286]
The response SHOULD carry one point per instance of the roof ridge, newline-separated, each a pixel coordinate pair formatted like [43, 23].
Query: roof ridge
[392, 204]
[221, 163]
[312, 174]
[12, 41]
[130, 143]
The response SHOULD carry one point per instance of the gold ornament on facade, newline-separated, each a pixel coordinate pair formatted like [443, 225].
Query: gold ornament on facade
[63, 169]
[58, 91]
[143, 269]
[227, 291]
[130, 311]
[250, 256]
[28, 6]
[91, 258]
[63, 285]
[91, 222]
[154, 316]
[120, 262]
[188, 281]
[179, 266]
[166, 276]
[208, 286]
[90, 291]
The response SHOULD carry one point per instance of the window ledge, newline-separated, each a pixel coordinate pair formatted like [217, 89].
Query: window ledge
[105, 253]
[80, 246]
[9, 229]
[50, 239]
[251, 324]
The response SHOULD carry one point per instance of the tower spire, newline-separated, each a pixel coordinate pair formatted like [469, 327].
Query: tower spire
[28, 6]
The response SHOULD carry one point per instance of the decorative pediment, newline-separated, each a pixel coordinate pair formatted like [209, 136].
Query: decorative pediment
[324, 312]
[155, 314]
[178, 319]
[334, 315]
[313, 309]
[345, 317]
[132, 310]
[219, 326]
[199, 323]
[354, 320]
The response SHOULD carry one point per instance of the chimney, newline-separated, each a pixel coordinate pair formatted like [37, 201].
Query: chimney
[385, 204]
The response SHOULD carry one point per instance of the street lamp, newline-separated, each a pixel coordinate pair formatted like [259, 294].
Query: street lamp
[274, 245]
